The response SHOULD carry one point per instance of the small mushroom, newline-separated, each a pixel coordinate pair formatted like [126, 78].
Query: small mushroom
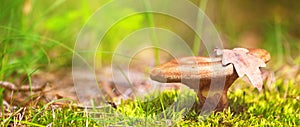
[200, 72]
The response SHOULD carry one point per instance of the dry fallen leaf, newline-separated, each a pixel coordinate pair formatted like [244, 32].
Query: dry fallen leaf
[244, 64]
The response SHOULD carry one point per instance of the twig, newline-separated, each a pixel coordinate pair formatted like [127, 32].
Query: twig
[11, 86]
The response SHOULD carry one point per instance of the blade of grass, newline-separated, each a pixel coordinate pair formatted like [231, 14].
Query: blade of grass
[4, 60]
[197, 40]
[149, 16]
[163, 107]
[279, 46]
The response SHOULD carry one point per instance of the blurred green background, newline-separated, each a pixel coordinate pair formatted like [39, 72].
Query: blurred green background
[37, 35]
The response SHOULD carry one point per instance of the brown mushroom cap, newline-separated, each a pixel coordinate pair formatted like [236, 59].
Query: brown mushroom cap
[198, 68]
[191, 68]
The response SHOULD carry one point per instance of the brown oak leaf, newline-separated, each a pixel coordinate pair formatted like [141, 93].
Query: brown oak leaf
[244, 64]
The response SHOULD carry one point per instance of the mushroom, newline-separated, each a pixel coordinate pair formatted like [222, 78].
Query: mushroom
[200, 72]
